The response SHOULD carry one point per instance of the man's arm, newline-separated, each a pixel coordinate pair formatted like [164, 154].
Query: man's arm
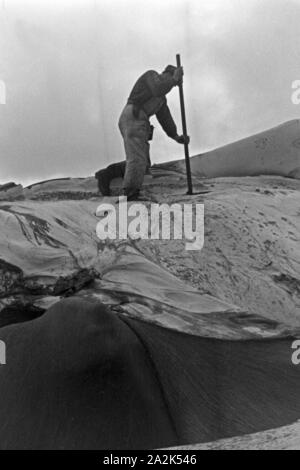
[160, 85]
[166, 121]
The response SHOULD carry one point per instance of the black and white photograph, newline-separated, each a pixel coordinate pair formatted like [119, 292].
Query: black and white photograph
[150, 227]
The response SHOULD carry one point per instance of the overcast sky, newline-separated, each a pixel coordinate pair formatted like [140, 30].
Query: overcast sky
[69, 66]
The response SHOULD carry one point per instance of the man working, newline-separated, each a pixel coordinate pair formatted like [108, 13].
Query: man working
[148, 98]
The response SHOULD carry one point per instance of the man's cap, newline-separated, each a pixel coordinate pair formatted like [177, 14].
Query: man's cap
[170, 69]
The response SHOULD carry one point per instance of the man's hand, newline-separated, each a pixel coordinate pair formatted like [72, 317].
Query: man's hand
[181, 139]
[178, 75]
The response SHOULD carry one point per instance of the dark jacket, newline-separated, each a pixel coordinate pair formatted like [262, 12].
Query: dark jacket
[153, 85]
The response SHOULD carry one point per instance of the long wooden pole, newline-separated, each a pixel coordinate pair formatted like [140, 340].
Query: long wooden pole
[185, 133]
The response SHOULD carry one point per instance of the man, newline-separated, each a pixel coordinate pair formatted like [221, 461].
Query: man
[148, 98]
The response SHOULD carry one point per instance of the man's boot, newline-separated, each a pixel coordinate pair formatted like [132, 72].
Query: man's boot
[104, 177]
[103, 182]
[132, 196]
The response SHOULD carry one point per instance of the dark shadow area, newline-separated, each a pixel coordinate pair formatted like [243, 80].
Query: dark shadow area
[80, 377]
